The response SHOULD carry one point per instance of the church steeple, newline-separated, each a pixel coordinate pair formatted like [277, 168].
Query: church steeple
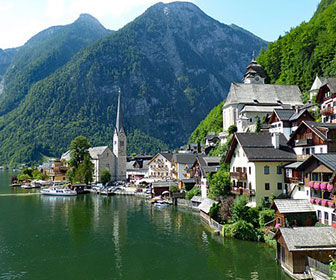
[119, 121]
[255, 73]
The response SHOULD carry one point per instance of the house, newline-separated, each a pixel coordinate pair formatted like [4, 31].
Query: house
[286, 121]
[326, 96]
[102, 158]
[293, 212]
[137, 169]
[160, 166]
[158, 188]
[318, 82]
[253, 99]
[205, 206]
[181, 163]
[56, 170]
[256, 165]
[203, 166]
[299, 247]
[319, 179]
[294, 181]
[313, 138]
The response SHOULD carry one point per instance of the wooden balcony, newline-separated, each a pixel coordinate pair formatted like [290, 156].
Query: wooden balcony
[242, 176]
[304, 142]
[294, 180]
[242, 191]
[327, 111]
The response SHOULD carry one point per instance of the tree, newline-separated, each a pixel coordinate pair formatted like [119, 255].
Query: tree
[105, 176]
[257, 125]
[79, 148]
[232, 129]
[84, 172]
[240, 209]
[219, 183]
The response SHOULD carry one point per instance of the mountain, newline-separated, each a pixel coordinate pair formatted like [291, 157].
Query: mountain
[304, 52]
[42, 55]
[6, 58]
[173, 64]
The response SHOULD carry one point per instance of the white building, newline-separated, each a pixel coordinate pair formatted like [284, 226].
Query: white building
[160, 166]
[253, 99]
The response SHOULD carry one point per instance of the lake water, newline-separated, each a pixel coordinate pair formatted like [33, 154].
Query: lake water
[93, 237]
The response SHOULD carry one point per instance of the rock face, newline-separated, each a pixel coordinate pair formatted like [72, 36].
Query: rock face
[173, 64]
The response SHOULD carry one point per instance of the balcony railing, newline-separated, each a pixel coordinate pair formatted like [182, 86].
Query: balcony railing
[327, 111]
[242, 191]
[239, 175]
[303, 142]
[294, 180]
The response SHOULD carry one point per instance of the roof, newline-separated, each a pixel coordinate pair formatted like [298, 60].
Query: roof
[286, 206]
[284, 114]
[66, 156]
[167, 155]
[263, 94]
[328, 160]
[95, 152]
[197, 198]
[212, 160]
[184, 158]
[204, 164]
[259, 147]
[329, 84]
[206, 205]
[318, 82]
[297, 115]
[309, 238]
[293, 165]
[119, 120]
[266, 109]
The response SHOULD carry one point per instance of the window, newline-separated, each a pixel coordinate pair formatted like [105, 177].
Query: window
[333, 217]
[266, 198]
[326, 217]
[279, 171]
[319, 214]
[250, 186]
[312, 150]
[250, 170]
[233, 169]
[267, 186]
[279, 186]
[266, 169]
[321, 150]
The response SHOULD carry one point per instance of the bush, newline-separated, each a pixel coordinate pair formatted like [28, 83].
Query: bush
[265, 216]
[105, 176]
[213, 213]
[225, 210]
[174, 189]
[232, 129]
[240, 210]
[253, 217]
[194, 191]
[242, 230]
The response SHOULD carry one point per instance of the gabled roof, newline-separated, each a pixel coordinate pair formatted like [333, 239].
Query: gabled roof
[263, 94]
[204, 164]
[206, 205]
[308, 238]
[95, 152]
[183, 158]
[290, 114]
[328, 84]
[167, 155]
[286, 206]
[320, 129]
[328, 160]
[259, 147]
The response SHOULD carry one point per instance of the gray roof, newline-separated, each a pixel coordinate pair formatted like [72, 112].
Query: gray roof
[263, 94]
[295, 116]
[331, 83]
[119, 120]
[259, 147]
[95, 152]
[309, 238]
[293, 205]
[197, 198]
[293, 165]
[167, 155]
[284, 114]
[184, 158]
[206, 205]
[327, 159]
[212, 160]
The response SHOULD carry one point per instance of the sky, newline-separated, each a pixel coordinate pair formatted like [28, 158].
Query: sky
[268, 19]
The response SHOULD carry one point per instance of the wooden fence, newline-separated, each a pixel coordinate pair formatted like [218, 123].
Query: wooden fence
[315, 264]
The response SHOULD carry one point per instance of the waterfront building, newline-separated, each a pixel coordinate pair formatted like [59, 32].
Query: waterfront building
[318, 82]
[286, 121]
[256, 165]
[326, 96]
[293, 212]
[137, 169]
[56, 170]
[160, 166]
[302, 248]
[181, 163]
[253, 99]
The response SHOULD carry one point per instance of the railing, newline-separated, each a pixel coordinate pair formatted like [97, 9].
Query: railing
[323, 202]
[296, 179]
[303, 142]
[239, 175]
[315, 264]
[327, 111]
[241, 191]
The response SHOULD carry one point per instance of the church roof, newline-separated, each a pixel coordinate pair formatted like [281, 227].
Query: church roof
[95, 152]
[259, 94]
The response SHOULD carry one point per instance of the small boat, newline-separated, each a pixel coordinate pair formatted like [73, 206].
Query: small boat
[107, 192]
[27, 186]
[58, 191]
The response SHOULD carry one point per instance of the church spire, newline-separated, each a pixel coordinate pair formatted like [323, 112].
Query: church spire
[119, 122]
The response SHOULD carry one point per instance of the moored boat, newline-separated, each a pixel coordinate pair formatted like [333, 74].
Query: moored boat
[27, 186]
[58, 191]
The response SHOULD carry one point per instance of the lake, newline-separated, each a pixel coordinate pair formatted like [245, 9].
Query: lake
[94, 237]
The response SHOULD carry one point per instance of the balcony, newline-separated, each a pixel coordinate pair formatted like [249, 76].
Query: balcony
[327, 111]
[242, 191]
[304, 142]
[294, 180]
[242, 176]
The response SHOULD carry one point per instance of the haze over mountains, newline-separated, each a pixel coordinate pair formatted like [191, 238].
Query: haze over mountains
[173, 64]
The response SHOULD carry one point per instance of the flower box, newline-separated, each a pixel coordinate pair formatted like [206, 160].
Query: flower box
[311, 184]
[316, 186]
[323, 186]
[312, 200]
[317, 201]
[323, 202]
[330, 204]
[330, 187]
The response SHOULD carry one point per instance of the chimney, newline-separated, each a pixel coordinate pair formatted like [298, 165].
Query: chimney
[276, 140]
[297, 109]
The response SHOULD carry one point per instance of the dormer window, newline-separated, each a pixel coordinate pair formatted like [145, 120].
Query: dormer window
[255, 101]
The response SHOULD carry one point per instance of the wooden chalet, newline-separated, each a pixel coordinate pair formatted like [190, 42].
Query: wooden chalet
[326, 96]
[293, 212]
[298, 247]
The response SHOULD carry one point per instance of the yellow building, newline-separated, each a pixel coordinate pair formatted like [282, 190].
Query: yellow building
[256, 165]
[56, 171]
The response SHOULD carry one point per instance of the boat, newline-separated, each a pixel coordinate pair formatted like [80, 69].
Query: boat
[27, 186]
[107, 191]
[58, 191]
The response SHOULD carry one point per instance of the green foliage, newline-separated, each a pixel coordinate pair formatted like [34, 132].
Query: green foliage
[28, 171]
[304, 52]
[84, 172]
[253, 216]
[265, 216]
[219, 183]
[174, 189]
[23, 177]
[79, 148]
[194, 191]
[242, 230]
[232, 129]
[213, 212]
[38, 175]
[240, 210]
[212, 123]
[70, 175]
[332, 266]
[105, 176]
[257, 125]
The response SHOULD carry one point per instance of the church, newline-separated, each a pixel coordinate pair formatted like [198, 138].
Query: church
[103, 158]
